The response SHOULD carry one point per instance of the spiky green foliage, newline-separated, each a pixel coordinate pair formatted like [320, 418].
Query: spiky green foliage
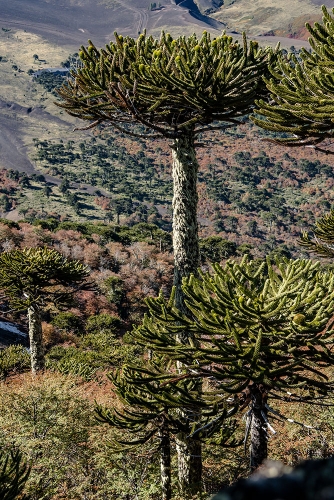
[13, 359]
[35, 275]
[156, 412]
[34, 278]
[302, 91]
[322, 242]
[166, 84]
[257, 331]
[150, 404]
[14, 473]
[175, 88]
[254, 323]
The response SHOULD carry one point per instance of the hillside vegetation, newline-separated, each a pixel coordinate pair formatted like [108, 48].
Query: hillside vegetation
[54, 412]
[175, 341]
[110, 176]
[259, 195]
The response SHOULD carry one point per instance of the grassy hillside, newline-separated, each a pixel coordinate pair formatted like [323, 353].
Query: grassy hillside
[40, 28]
[112, 176]
[269, 17]
[51, 31]
[250, 192]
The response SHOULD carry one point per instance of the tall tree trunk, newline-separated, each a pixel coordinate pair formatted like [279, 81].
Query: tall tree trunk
[165, 464]
[186, 262]
[36, 339]
[258, 431]
[185, 200]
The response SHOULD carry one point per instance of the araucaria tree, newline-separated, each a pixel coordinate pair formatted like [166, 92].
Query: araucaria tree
[177, 89]
[34, 277]
[262, 332]
[14, 473]
[302, 91]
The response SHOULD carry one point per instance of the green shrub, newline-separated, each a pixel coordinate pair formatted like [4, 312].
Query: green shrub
[126, 353]
[14, 358]
[75, 361]
[96, 351]
[99, 342]
[102, 323]
[51, 421]
[9, 223]
[72, 366]
[67, 322]
[51, 223]
[112, 351]
[51, 425]
[113, 288]
[215, 248]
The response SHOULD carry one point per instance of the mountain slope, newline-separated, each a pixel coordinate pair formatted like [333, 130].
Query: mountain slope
[52, 29]
[259, 17]
[74, 21]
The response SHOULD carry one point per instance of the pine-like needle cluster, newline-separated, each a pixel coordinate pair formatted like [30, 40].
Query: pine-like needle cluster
[251, 322]
[302, 90]
[168, 84]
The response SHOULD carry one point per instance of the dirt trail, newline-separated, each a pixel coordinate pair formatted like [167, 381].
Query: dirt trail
[141, 15]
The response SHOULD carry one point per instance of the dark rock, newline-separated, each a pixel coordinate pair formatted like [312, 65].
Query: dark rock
[207, 7]
[310, 480]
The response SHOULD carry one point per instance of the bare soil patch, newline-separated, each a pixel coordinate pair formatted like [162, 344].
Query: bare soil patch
[73, 23]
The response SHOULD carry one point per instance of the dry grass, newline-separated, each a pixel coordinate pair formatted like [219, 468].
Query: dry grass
[27, 111]
[18, 47]
[263, 16]
[36, 200]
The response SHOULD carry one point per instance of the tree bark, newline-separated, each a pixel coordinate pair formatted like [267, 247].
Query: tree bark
[258, 431]
[36, 339]
[185, 200]
[186, 262]
[165, 464]
[189, 453]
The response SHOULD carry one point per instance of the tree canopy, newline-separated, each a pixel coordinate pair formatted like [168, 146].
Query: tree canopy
[302, 90]
[32, 278]
[168, 84]
[321, 242]
[258, 330]
[34, 275]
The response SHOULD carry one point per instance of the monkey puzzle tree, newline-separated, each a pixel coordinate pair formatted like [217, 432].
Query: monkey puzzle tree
[322, 242]
[175, 88]
[14, 473]
[33, 277]
[261, 331]
[302, 91]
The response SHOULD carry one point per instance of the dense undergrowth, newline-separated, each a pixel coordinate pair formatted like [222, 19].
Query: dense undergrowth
[51, 420]
[54, 413]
